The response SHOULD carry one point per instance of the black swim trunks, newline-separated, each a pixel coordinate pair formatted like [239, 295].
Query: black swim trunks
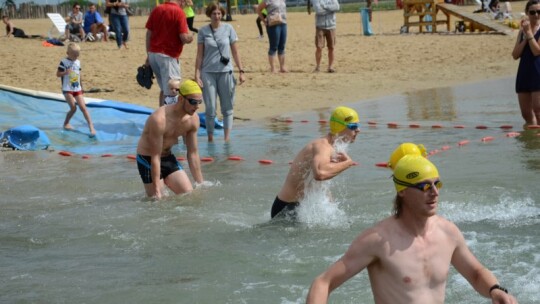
[169, 164]
[283, 208]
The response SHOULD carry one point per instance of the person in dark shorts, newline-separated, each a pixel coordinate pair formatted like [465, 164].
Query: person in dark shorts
[11, 30]
[157, 164]
[318, 160]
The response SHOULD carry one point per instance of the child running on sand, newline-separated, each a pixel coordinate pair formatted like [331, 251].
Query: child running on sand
[69, 70]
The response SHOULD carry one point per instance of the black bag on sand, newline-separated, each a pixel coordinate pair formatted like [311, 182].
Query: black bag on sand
[145, 76]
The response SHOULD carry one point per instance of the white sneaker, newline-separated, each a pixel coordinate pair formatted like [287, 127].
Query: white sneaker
[99, 36]
[89, 37]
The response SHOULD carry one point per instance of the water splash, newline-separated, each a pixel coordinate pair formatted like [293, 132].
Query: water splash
[319, 207]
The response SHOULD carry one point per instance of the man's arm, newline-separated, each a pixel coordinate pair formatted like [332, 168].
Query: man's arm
[480, 278]
[325, 167]
[361, 253]
[186, 38]
[190, 139]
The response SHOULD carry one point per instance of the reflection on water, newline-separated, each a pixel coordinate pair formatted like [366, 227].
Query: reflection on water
[431, 104]
[530, 143]
[81, 230]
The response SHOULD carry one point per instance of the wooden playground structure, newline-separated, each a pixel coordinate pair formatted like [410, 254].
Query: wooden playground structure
[432, 13]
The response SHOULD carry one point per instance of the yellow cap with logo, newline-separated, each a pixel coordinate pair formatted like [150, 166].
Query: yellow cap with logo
[406, 149]
[341, 117]
[412, 169]
[190, 87]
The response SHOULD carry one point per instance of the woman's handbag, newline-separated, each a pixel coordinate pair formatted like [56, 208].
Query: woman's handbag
[274, 18]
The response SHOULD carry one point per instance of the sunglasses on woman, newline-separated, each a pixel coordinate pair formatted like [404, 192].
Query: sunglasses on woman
[424, 186]
[533, 13]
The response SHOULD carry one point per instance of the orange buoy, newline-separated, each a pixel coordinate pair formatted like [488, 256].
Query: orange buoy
[414, 126]
[436, 151]
[487, 138]
[323, 121]
[289, 120]
[463, 143]
[533, 127]
[382, 165]
[512, 134]
[106, 155]
[436, 127]
[392, 125]
[85, 157]
[131, 156]
[482, 127]
[207, 159]
[304, 121]
[65, 153]
[181, 158]
[506, 127]
[371, 122]
[445, 148]
[355, 163]
[265, 161]
[459, 127]
[235, 157]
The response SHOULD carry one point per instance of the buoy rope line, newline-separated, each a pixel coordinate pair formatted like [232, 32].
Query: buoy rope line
[371, 124]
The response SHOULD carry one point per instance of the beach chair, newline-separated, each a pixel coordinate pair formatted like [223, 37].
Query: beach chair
[59, 24]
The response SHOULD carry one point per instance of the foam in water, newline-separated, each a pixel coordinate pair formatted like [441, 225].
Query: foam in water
[319, 207]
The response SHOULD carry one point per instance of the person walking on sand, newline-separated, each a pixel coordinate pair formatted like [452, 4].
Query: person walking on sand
[318, 158]
[276, 28]
[187, 6]
[408, 255]
[166, 34]
[527, 49]
[259, 20]
[325, 30]
[120, 21]
[216, 44]
[156, 163]
[69, 70]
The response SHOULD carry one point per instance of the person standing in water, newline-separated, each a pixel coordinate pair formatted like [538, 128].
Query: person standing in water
[527, 50]
[156, 163]
[318, 158]
[408, 255]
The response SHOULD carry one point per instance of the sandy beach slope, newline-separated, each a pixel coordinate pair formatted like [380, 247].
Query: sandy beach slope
[367, 67]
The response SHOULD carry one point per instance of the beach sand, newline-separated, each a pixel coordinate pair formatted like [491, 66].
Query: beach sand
[367, 67]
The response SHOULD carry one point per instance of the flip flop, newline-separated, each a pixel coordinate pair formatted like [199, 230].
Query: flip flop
[331, 70]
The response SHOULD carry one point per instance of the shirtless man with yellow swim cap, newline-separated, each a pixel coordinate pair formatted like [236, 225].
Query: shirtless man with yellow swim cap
[318, 158]
[408, 255]
[157, 164]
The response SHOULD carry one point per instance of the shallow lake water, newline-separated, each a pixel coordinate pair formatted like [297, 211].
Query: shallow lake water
[80, 230]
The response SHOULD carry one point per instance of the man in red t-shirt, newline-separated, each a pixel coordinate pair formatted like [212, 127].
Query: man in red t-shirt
[166, 33]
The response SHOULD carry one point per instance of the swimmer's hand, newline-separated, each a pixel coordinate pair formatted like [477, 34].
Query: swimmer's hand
[340, 157]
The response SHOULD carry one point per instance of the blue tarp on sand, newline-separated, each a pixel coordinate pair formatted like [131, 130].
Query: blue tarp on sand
[118, 125]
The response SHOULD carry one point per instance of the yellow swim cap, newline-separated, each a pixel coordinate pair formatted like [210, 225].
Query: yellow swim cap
[406, 149]
[341, 117]
[412, 169]
[189, 87]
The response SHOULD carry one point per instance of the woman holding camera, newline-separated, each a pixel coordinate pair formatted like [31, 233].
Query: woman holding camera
[216, 43]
